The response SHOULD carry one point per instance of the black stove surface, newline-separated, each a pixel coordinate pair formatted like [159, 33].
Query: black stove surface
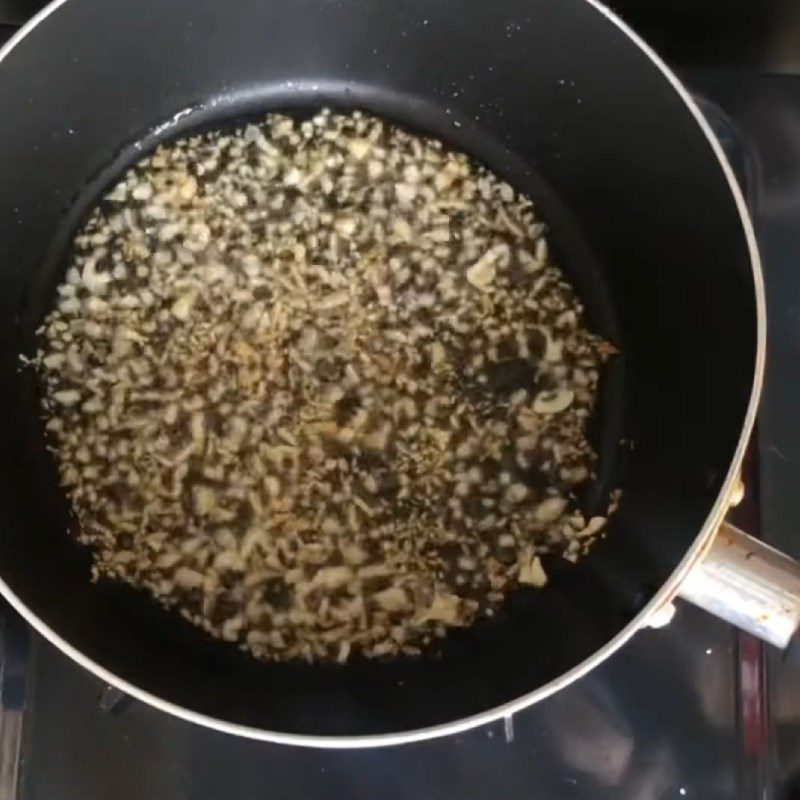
[657, 721]
[680, 712]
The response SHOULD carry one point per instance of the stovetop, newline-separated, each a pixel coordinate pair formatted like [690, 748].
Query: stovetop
[692, 710]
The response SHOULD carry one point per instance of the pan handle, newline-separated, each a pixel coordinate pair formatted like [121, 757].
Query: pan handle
[749, 584]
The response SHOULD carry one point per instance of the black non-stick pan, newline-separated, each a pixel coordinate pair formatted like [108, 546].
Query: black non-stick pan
[645, 218]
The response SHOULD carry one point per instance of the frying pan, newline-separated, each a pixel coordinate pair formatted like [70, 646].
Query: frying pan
[560, 98]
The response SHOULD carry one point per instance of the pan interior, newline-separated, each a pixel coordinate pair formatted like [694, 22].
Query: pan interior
[505, 635]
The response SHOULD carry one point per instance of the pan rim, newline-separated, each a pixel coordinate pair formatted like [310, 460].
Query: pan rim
[667, 591]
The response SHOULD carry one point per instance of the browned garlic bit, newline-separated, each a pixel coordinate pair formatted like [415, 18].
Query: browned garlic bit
[318, 386]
